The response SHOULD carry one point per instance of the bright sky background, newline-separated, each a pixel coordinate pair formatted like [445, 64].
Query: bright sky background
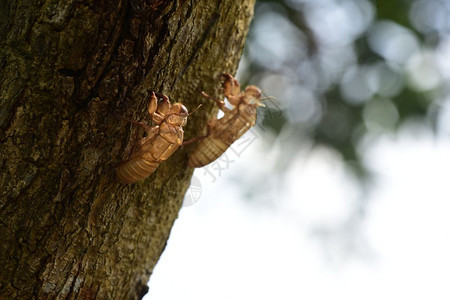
[312, 234]
[310, 245]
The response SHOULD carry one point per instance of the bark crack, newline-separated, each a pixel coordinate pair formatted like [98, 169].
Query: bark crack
[212, 22]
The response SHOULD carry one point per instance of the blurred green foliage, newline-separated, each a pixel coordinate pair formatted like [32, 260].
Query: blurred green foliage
[353, 61]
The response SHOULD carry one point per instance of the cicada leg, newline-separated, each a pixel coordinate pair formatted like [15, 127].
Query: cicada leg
[231, 89]
[220, 103]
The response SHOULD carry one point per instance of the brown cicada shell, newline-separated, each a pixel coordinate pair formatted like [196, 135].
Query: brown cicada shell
[225, 131]
[162, 140]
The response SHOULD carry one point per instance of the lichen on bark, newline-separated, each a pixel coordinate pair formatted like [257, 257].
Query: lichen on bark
[69, 229]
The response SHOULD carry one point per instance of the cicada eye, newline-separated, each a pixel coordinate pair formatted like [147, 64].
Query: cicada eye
[179, 109]
[183, 110]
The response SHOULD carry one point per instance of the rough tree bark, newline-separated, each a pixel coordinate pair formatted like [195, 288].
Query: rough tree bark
[68, 229]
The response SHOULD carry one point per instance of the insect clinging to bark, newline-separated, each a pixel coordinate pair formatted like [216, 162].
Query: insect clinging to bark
[221, 133]
[162, 140]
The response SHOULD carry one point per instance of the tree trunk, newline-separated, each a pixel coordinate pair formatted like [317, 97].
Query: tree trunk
[68, 228]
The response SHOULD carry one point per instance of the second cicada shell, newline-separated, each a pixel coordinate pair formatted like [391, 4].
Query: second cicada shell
[162, 140]
[225, 131]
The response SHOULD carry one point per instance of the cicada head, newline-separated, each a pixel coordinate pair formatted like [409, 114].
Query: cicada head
[178, 115]
[252, 95]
